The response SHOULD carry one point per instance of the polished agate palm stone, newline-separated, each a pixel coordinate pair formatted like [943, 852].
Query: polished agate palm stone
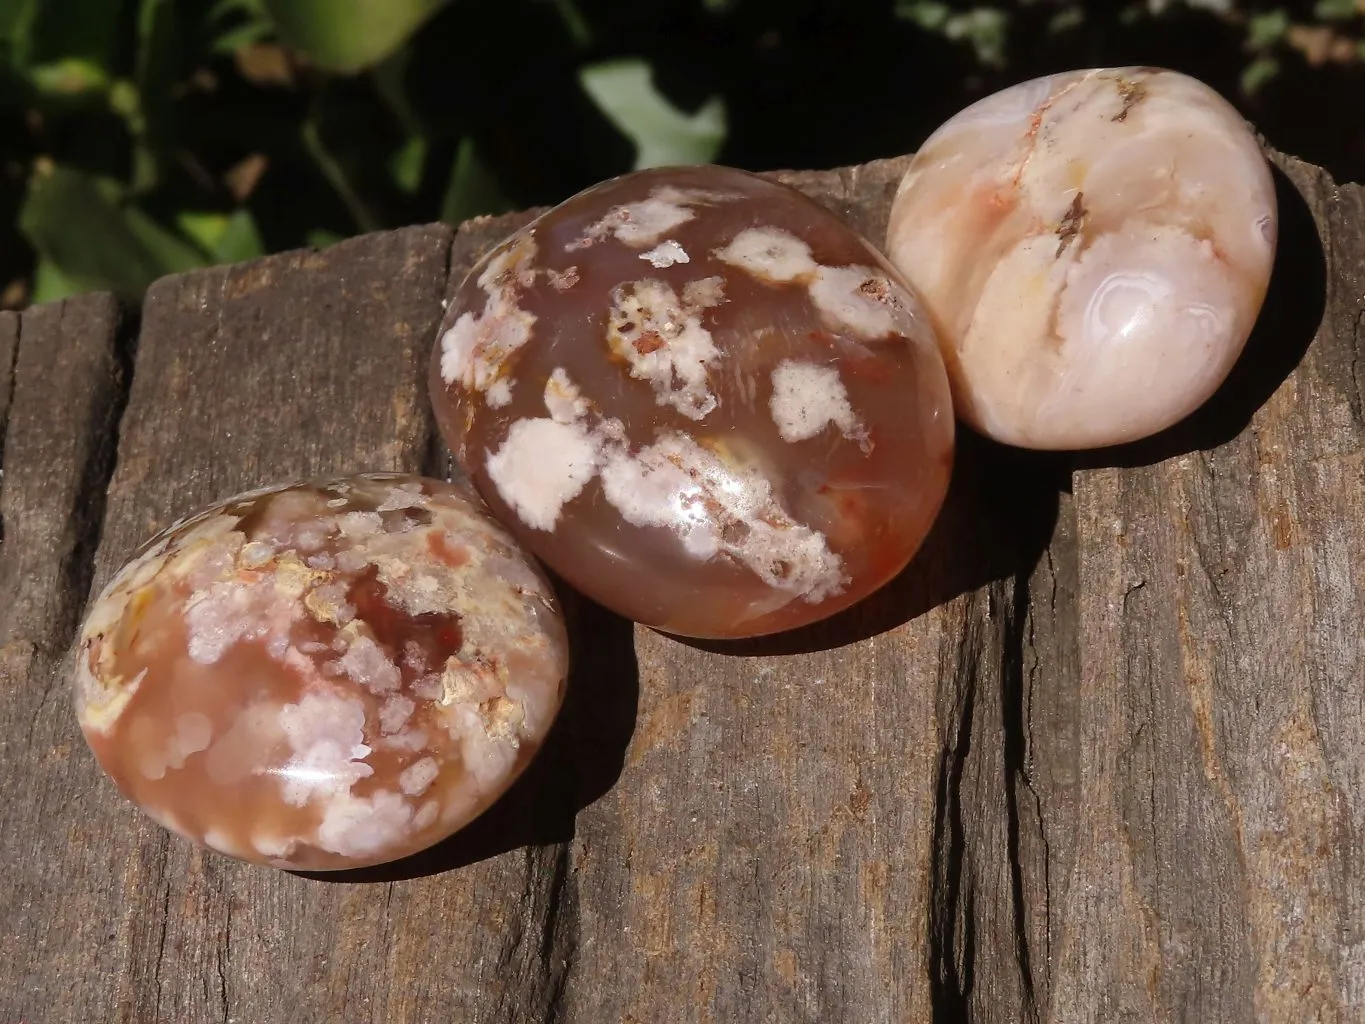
[702, 399]
[329, 675]
[1093, 249]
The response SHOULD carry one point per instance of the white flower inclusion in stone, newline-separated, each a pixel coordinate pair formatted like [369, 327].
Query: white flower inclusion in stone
[808, 398]
[855, 298]
[770, 254]
[665, 254]
[664, 343]
[541, 466]
[714, 508]
[647, 221]
[475, 347]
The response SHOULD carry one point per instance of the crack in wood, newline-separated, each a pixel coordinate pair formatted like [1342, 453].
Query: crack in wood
[1014, 721]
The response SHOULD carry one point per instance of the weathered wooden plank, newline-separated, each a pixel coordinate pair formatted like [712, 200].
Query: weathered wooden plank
[298, 365]
[1222, 592]
[67, 390]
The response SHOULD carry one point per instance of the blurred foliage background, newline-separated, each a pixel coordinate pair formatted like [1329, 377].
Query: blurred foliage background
[144, 137]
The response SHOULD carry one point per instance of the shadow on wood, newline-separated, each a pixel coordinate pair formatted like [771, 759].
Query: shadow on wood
[1289, 319]
[580, 761]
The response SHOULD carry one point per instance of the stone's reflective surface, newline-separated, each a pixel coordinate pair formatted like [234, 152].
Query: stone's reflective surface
[702, 399]
[329, 675]
[1093, 248]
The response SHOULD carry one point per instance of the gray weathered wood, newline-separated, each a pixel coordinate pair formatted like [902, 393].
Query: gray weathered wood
[62, 875]
[1222, 597]
[1093, 757]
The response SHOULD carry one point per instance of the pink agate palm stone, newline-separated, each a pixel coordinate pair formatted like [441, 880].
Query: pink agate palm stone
[327, 675]
[1093, 249]
[702, 399]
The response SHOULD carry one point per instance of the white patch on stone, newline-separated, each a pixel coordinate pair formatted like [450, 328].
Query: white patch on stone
[426, 814]
[488, 759]
[715, 508]
[770, 254]
[499, 393]
[542, 466]
[410, 739]
[562, 281]
[563, 399]
[360, 524]
[418, 776]
[664, 343]
[367, 664]
[256, 555]
[704, 292]
[326, 733]
[428, 687]
[363, 826]
[645, 222]
[230, 612]
[808, 398]
[394, 713]
[275, 847]
[855, 298]
[475, 347]
[665, 254]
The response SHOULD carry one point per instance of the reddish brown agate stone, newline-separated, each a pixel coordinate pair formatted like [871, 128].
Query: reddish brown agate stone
[702, 399]
[328, 675]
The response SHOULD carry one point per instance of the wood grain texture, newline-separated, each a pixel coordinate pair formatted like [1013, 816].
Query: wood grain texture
[295, 366]
[1094, 757]
[1222, 592]
[59, 870]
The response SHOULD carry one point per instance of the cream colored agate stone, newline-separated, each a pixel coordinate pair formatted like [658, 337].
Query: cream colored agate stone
[321, 676]
[1093, 248]
[702, 399]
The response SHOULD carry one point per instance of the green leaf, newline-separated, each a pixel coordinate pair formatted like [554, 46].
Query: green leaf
[85, 30]
[927, 14]
[1335, 10]
[50, 284]
[1258, 73]
[240, 241]
[624, 91]
[366, 220]
[472, 189]
[83, 226]
[574, 23]
[237, 23]
[68, 78]
[346, 36]
[406, 164]
[156, 69]
[985, 29]
[223, 237]
[17, 18]
[321, 238]
[1265, 30]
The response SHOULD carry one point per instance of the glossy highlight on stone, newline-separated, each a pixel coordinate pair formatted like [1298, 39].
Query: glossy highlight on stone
[322, 676]
[1093, 248]
[702, 399]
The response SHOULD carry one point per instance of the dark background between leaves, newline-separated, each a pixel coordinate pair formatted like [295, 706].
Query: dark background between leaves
[145, 137]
